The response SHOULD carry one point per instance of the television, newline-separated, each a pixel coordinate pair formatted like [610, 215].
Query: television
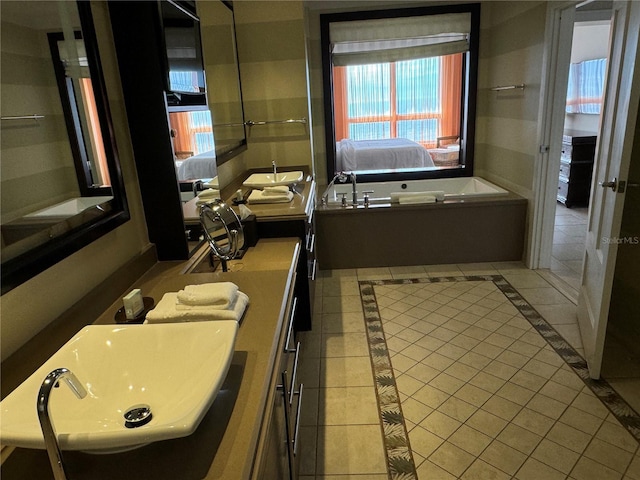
[185, 79]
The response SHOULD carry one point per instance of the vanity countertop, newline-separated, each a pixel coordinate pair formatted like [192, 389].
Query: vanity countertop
[299, 208]
[224, 445]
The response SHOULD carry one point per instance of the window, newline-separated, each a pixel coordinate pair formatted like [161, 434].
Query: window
[402, 88]
[192, 133]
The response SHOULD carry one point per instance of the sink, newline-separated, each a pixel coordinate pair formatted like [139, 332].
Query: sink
[259, 180]
[175, 368]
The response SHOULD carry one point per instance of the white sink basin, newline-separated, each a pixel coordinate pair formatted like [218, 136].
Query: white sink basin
[260, 180]
[175, 368]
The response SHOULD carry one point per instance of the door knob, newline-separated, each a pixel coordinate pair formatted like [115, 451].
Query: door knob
[613, 185]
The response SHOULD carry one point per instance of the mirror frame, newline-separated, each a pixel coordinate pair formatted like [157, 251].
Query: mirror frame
[23, 267]
[469, 87]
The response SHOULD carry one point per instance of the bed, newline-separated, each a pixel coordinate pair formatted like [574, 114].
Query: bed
[198, 166]
[391, 153]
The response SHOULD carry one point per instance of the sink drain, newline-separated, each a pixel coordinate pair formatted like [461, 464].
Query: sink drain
[137, 416]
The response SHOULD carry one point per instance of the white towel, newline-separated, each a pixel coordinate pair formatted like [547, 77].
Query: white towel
[408, 200]
[258, 196]
[166, 312]
[217, 295]
[277, 190]
[396, 196]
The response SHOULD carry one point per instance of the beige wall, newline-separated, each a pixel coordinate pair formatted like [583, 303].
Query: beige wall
[37, 165]
[271, 48]
[29, 308]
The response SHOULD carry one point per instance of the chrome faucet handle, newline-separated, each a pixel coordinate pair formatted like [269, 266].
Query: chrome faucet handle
[344, 199]
[365, 197]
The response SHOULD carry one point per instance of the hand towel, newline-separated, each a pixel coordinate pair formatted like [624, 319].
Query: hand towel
[408, 200]
[277, 190]
[396, 196]
[258, 196]
[166, 312]
[209, 193]
[217, 295]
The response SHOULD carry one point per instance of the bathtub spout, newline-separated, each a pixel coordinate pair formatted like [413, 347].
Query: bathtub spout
[354, 191]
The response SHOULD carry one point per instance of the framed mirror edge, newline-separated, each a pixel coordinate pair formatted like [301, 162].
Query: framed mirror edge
[25, 266]
[469, 106]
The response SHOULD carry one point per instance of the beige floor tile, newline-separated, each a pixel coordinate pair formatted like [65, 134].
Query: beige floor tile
[309, 412]
[587, 469]
[559, 314]
[543, 296]
[556, 456]
[431, 396]
[515, 393]
[504, 457]
[452, 459]
[442, 270]
[342, 323]
[369, 476]
[339, 287]
[588, 402]
[309, 371]
[519, 438]
[422, 372]
[581, 420]
[547, 406]
[533, 421]
[343, 304]
[310, 344]
[308, 441]
[375, 273]
[501, 407]
[345, 345]
[433, 472]
[457, 409]
[633, 472]
[401, 363]
[571, 333]
[532, 469]
[461, 371]
[570, 437]
[346, 372]
[407, 384]
[440, 424]
[609, 455]
[347, 406]
[423, 441]
[616, 434]
[414, 410]
[480, 470]
[473, 395]
[555, 390]
[528, 279]
[486, 423]
[470, 440]
[446, 383]
[528, 380]
[350, 449]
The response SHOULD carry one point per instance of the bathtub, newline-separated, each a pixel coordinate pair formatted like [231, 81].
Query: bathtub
[69, 208]
[477, 222]
[453, 188]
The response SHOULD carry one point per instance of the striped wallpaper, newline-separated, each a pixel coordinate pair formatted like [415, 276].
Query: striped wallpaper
[36, 166]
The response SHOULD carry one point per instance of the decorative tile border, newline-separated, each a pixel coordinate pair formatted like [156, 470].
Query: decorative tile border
[398, 451]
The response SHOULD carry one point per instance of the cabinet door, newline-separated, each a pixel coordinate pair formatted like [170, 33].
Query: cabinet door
[276, 460]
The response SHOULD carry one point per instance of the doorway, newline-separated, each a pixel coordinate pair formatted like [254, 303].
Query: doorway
[587, 70]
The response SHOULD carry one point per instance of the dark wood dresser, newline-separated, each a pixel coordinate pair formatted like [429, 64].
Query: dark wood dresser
[576, 167]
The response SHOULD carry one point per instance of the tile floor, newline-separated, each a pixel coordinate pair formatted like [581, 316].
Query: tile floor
[483, 395]
[568, 243]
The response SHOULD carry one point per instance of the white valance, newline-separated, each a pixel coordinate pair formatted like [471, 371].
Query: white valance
[401, 38]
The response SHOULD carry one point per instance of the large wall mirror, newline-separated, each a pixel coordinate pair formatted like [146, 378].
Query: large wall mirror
[61, 181]
[207, 130]
[400, 91]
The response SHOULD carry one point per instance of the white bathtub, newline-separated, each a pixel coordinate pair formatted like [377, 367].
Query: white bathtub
[69, 208]
[453, 188]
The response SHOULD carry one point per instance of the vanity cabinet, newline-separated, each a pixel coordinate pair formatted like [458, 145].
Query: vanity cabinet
[277, 457]
[576, 168]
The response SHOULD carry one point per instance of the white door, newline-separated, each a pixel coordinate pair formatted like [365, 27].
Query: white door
[613, 154]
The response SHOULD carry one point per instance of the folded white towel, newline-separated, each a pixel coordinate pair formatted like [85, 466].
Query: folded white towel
[258, 196]
[209, 193]
[277, 190]
[217, 295]
[166, 312]
[396, 196]
[417, 199]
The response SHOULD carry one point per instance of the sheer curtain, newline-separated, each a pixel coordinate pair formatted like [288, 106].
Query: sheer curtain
[586, 86]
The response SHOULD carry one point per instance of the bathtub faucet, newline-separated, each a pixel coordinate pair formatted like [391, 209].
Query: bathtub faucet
[341, 177]
[354, 191]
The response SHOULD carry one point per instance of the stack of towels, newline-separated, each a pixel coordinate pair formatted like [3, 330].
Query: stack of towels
[196, 303]
[279, 194]
[207, 196]
[407, 198]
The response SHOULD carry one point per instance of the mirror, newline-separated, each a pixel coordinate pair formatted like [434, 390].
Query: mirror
[400, 91]
[61, 180]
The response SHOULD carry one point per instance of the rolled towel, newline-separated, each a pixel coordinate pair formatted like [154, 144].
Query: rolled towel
[166, 312]
[396, 196]
[408, 200]
[258, 196]
[277, 190]
[217, 295]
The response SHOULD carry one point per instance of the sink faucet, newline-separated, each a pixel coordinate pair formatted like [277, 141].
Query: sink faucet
[340, 177]
[275, 170]
[196, 185]
[354, 192]
[50, 440]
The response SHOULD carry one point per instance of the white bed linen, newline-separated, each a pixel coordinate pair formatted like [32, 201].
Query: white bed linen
[381, 154]
[202, 165]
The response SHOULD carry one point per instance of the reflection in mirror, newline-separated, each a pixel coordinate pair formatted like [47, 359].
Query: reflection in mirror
[61, 183]
[401, 86]
[223, 78]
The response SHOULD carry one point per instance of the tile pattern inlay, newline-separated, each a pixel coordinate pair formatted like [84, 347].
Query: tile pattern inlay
[498, 380]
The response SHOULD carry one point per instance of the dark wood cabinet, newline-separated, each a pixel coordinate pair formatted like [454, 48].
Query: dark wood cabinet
[576, 167]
